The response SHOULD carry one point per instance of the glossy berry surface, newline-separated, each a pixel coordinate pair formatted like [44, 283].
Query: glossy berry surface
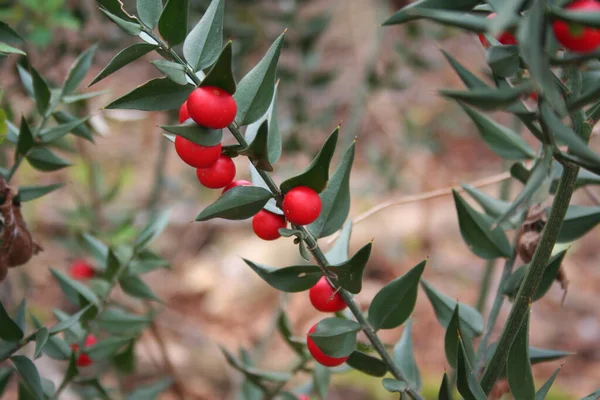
[323, 299]
[218, 175]
[184, 115]
[504, 38]
[196, 155]
[318, 355]
[211, 107]
[578, 38]
[233, 184]
[266, 225]
[84, 360]
[301, 205]
[81, 270]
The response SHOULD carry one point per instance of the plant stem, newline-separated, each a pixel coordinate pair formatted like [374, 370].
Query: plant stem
[533, 276]
[178, 386]
[17, 346]
[159, 177]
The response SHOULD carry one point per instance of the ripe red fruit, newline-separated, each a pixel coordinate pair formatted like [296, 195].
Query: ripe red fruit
[84, 360]
[211, 107]
[322, 297]
[196, 155]
[504, 38]
[82, 270]
[318, 355]
[574, 37]
[266, 225]
[233, 184]
[301, 205]
[184, 115]
[303, 397]
[218, 175]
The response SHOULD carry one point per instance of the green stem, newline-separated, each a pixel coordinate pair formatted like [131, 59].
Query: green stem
[533, 277]
[5, 355]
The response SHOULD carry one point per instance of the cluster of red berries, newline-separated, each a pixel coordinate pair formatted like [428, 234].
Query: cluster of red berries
[84, 360]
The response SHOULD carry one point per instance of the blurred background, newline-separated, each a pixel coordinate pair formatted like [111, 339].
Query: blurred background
[338, 65]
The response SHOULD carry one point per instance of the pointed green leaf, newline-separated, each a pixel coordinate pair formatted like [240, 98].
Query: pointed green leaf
[26, 80]
[113, 266]
[367, 364]
[68, 284]
[135, 287]
[543, 391]
[83, 131]
[520, 377]
[349, 273]
[29, 375]
[152, 390]
[316, 175]
[404, 358]
[339, 252]
[471, 322]
[68, 322]
[578, 221]
[117, 321]
[155, 95]
[394, 303]
[445, 393]
[149, 12]
[493, 207]
[258, 181]
[405, 14]
[394, 385]
[203, 44]
[49, 135]
[289, 279]
[95, 247]
[592, 396]
[240, 202]
[124, 361]
[465, 21]
[19, 317]
[172, 70]
[5, 375]
[258, 150]
[503, 60]
[41, 91]
[255, 91]
[25, 141]
[132, 28]
[123, 58]
[44, 160]
[336, 337]
[221, 73]
[466, 382]
[285, 329]
[41, 338]
[451, 339]
[173, 22]
[107, 348]
[487, 98]
[9, 329]
[78, 71]
[6, 48]
[254, 374]
[7, 34]
[196, 133]
[466, 76]
[153, 229]
[116, 7]
[321, 379]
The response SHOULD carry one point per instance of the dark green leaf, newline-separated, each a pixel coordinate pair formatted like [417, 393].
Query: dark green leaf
[469, 22]
[394, 303]
[394, 386]
[26, 80]
[49, 135]
[550, 273]
[493, 207]
[471, 322]
[592, 396]
[451, 339]
[173, 21]
[132, 28]
[78, 71]
[68, 284]
[203, 44]
[7, 34]
[543, 391]
[173, 71]
[19, 317]
[68, 322]
[117, 321]
[368, 364]
[537, 355]
[349, 273]
[25, 141]
[321, 380]
[289, 279]
[520, 377]
[124, 361]
[196, 133]
[445, 392]
[258, 150]
[466, 76]
[503, 60]
[404, 357]
[123, 58]
[255, 91]
[466, 382]
[152, 230]
[155, 95]
[41, 338]
[116, 7]
[336, 337]
[41, 91]
[274, 144]
[5, 375]
[487, 98]
[97, 249]
[83, 131]
[8, 49]
[258, 181]
[56, 348]
[149, 12]
[221, 74]
[9, 329]
[107, 348]
[151, 391]
[254, 374]
[44, 160]
[405, 14]
[240, 202]
[476, 231]
[29, 374]
[578, 221]
[146, 262]
[316, 175]
[285, 329]
[339, 252]
[135, 287]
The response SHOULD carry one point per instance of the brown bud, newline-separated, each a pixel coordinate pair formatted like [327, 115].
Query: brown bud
[530, 232]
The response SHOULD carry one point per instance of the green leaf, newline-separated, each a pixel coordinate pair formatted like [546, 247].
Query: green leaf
[445, 392]
[7, 34]
[124, 361]
[255, 91]
[221, 73]
[367, 364]
[25, 141]
[83, 131]
[3, 125]
[513, 283]
[592, 396]
[107, 348]
[258, 150]
[29, 375]
[78, 70]
[339, 252]
[173, 22]
[453, 333]
[404, 358]
[67, 323]
[487, 98]
[240, 202]
[258, 181]
[503, 141]
[274, 144]
[41, 91]
[5, 374]
[536, 355]
[152, 390]
[117, 321]
[56, 348]
[289, 279]
[146, 262]
[44, 160]
[254, 374]
[321, 378]
[123, 58]
[543, 391]
[465, 21]
[26, 80]
[41, 338]
[149, 12]
[68, 284]
[152, 230]
[203, 44]
[196, 133]
[159, 94]
[475, 229]
[49, 135]
[6, 48]
[503, 60]
[116, 7]
[132, 28]
[394, 386]
[135, 287]
[394, 303]
[173, 71]
[471, 322]
[113, 266]
[349, 273]
[578, 221]
[466, 76]
[466, 382]
[19, 317]
[405, 14]
[9, 329]
[520, 377]
[493, 207]
[336, 337]
[316, 175]
[335, 199]
[94, 246]
[285, 329]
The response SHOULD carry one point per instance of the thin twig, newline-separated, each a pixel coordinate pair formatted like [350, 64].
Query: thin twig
[178, 385]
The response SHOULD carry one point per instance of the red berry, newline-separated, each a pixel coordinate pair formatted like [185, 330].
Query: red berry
[301, 205]
[533, 96]
[84, 360]
[504, 38]
[303, 397]
[318, 355]
[82, 270]
[211, 107]
[322, 297]
[266, 225]
[196, 155]
[233, 184]
[218, 175]
[578, 38]
[184, 115]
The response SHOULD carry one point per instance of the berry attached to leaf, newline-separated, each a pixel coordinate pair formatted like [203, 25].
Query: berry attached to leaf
[575, 37]
[301, 205]
[266, 225]
[504, 38]
[323, 298]
[233, 184]
[211, 107]
[196, 155]
[184, 115]
[218, 175]
[81, 270]
[318, 355]
[84, 360]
